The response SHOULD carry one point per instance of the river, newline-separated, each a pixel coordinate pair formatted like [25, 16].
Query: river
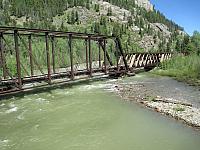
[88, 117]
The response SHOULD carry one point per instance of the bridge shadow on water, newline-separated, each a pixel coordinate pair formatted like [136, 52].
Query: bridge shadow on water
[49, 88]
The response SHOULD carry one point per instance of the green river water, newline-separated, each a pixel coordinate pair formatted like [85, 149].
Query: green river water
[88, 117]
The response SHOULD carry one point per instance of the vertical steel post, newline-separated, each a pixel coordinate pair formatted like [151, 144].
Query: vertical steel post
[53, 53]
[48, 57]
[2, 56]
[71, 56]
[86, 53]
[17, 58]
[90, 56]
[117, 55]
[105, 63]
[99, 54]
[30, 55]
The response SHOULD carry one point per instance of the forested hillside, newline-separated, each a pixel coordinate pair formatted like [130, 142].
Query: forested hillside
[141, 22]
[139, 28]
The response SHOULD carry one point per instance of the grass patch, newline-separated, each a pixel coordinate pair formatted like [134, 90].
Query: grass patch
[150, 98]
[185, 68]
[179, 109]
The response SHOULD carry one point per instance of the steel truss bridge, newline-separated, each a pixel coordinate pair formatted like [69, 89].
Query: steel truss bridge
[31, 58]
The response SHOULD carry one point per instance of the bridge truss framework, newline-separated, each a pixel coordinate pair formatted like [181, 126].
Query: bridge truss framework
[12, 39]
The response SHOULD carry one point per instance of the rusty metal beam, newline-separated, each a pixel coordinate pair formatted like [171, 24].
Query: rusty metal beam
[117, 57]
[9, 30]
[30, 55]
[58, 36]
[99, 46]
[48, 58]
[33, 58]
[107, 55]
[53, 53]
[105, 52]
[2, 56]
[119, 46]
[90, 56]
[71, 56]
[86, 54]
[17, 58]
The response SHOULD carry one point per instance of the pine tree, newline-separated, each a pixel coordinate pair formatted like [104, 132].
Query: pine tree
[109, 13]
[76, 17]
[88, 4]
[130, 21]
[141, 33]
[103, 20]
[168, 48]
[73, 17]
[178, 45]
[124, 16]
[68, 18]
[160, 46]
[116, 30]
[96, 7]
[155, 38]
[185, 42]
[96, 27]
[61, 26]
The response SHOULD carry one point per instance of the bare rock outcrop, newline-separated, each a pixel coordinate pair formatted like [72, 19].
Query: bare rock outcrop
[162, 28]
[145, 4]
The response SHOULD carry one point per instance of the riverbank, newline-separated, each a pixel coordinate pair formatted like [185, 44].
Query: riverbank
[186, 69]
[178, 109]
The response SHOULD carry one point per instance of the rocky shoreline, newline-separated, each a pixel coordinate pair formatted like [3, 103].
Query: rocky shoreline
[177, 109]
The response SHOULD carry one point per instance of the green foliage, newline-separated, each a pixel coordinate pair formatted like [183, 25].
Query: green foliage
[130, 21]
[195, 41]
[96, 27]
[150, 98]
[189, 44]
[97, 7]
[178, 46]
[116, 30]
[73, 17]
[179, 108]
[109, 13]
[87, 4]
[185, 68]
[41, 14]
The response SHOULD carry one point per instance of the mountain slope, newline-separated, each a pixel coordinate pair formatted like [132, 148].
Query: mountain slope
[137, 23]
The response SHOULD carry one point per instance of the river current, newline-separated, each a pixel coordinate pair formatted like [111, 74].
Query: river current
[88, 117]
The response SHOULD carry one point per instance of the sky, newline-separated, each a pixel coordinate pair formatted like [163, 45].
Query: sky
[186, 13]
